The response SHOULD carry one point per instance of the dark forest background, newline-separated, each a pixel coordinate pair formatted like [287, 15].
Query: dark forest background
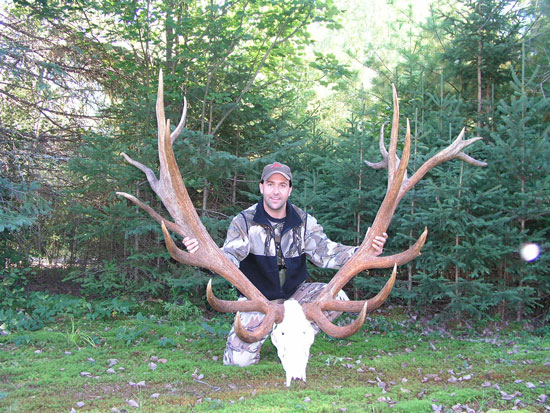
[78, 85]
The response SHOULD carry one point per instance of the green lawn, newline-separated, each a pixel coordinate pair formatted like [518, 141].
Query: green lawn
[151, 364]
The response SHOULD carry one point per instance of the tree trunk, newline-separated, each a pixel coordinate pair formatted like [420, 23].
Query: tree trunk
[479, 86]
[358, 227]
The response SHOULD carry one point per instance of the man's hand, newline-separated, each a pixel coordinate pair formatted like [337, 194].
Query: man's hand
[192, 244]
[378, 243]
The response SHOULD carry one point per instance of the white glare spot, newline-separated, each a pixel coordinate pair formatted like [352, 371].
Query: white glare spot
[530, 251]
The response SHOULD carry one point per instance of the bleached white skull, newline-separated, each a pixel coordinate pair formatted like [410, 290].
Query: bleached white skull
[293, 339]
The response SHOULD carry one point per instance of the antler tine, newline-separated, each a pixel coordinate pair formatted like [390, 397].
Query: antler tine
[174, 135]
[392, 157]
[263, 330]
[384, 162]
[454, 150]
[314, 311]
[161, 117]
[156, 216]
[171, 189]
[372, 303]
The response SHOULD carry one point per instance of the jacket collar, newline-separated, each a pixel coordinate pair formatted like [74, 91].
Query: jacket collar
[292, 218]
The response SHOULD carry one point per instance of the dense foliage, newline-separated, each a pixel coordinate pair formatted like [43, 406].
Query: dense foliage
[77, 89]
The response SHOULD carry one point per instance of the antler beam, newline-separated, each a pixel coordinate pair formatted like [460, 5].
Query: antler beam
[171, 189]
[363, 259]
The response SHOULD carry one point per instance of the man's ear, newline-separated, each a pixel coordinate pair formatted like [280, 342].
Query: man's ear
[290, 190]
[261, 188]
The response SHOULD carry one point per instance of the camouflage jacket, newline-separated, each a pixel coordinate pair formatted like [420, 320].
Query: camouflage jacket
[250, 244]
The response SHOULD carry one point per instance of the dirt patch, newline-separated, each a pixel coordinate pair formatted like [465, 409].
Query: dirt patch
[51, 280]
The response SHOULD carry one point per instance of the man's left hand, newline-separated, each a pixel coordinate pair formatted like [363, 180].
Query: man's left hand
[378, 243]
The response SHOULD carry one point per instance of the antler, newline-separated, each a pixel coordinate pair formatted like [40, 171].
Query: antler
[364, 258]
[171, 190]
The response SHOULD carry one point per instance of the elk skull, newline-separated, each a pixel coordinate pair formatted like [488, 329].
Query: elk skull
[293, 339]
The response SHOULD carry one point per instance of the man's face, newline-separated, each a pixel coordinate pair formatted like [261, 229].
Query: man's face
[276, 189]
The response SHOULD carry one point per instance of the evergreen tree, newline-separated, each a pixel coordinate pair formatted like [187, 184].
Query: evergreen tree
[480, 40]
[519, 166]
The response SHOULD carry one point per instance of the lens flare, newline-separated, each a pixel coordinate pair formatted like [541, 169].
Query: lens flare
[529, 251]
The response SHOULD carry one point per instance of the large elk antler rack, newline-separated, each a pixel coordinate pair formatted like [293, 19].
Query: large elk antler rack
[171, 190]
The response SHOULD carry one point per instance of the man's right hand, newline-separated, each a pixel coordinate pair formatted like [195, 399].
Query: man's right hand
[191, 244]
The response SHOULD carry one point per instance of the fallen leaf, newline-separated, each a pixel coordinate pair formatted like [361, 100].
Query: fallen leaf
[152, 366]
[155, 395]
[132, 403]
[506, 396]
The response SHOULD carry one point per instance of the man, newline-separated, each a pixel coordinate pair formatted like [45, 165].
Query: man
[270, 242]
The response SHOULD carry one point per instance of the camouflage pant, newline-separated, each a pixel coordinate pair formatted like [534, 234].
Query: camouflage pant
[241, 353]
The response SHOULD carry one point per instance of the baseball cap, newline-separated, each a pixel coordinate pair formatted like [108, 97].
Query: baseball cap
[276, 168]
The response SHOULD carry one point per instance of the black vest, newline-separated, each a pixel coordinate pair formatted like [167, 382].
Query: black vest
[263, 270]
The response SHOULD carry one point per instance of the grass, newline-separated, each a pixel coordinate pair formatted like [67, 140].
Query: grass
[151, 364]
